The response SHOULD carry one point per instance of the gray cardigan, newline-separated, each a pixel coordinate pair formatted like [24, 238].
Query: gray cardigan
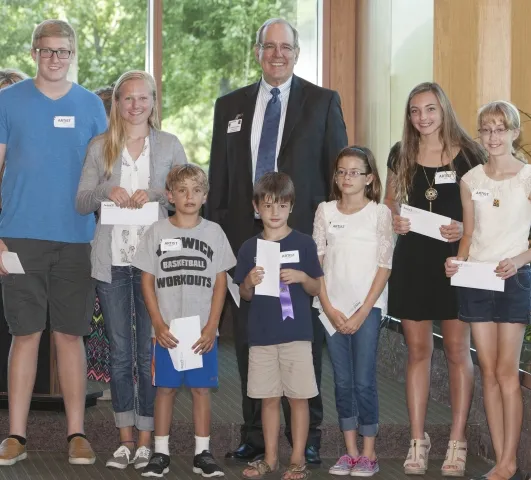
[94, 187]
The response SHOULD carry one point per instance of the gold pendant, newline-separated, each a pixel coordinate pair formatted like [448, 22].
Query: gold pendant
[431, 194]
[496, 202]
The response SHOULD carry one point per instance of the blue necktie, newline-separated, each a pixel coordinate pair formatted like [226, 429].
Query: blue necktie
[267, 149]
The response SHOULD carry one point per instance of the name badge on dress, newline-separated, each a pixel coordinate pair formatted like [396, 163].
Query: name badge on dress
[171, 245]
[481, 195]
[291, 256]
[336, 227]
[445, 177]
[64, 122]
[234, 126]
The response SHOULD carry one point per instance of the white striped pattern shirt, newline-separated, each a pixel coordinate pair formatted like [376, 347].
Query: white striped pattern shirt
[258, 120]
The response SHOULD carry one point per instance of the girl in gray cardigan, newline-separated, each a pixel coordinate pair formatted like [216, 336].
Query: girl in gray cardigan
[128, 165]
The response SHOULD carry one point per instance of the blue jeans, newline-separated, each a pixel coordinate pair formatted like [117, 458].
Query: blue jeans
[126, 317]
[354, 362]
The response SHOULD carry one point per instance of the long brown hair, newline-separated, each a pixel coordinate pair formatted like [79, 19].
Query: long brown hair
[114, 137]
[373, 191]
[451, 135]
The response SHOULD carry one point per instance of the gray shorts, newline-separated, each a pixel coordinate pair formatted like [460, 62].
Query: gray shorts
[57, 277]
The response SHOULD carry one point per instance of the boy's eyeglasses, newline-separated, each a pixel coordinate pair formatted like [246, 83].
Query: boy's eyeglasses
[48, 53]
[341, 172]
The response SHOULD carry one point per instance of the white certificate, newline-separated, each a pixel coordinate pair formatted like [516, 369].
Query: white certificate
[328, 324]
[111, 214]
[188, 331]
[268, 257]
[12, 262]
[234, 290]
[477, 275]
[424, 222]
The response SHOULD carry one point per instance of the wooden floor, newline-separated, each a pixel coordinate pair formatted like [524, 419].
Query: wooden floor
[47, 466]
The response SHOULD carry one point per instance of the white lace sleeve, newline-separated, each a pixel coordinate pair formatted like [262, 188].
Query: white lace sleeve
[319, 229]
[527, 180]
[384, 232]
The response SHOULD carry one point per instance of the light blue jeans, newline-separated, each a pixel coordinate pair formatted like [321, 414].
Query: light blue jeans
[125, 316]
[354, 362]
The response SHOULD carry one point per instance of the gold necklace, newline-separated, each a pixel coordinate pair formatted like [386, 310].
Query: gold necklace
[431, 193]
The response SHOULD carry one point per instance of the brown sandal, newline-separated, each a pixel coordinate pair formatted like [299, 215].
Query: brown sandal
[417, 458]
[297, 469]
[261, 467]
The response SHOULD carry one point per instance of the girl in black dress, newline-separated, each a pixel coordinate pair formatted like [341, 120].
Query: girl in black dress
[425, 169]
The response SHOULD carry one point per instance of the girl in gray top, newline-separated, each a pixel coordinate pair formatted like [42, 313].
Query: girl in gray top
[128, 165]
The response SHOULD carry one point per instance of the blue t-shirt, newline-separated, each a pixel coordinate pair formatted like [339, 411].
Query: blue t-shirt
[46, 141]
[265, 324]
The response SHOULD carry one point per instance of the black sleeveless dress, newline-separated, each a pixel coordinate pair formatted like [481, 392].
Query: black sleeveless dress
[418, 287]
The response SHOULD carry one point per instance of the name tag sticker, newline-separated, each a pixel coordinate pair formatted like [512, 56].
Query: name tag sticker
[171, 244]
[445, 177]
[234, 126]
[336, 227]
[64, 122]
[291, 256]
[480, 195]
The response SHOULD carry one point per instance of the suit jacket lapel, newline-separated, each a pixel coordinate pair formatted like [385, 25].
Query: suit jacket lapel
[297, 97]
[247, 122]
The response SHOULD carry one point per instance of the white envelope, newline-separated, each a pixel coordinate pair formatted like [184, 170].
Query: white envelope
[477, 275]
[111, 214]
[268, 257]
[424, 222]
[188, 331]
[12, 262]
[234, 290]
[328, 324]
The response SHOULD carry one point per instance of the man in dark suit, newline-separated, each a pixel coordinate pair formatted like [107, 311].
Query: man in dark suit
[281, 123]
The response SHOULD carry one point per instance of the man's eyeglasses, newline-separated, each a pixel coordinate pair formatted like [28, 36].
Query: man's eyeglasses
[341, 172]
[48, 53]
[285, 48]
[487, 132]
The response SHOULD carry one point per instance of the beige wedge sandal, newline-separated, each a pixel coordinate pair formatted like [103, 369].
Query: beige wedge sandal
[417, 457]
[455, 463]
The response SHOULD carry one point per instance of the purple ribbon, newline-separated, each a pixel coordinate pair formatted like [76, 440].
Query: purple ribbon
[285, 302]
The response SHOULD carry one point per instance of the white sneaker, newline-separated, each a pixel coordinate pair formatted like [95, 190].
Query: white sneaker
[120, 459]
[142, 456]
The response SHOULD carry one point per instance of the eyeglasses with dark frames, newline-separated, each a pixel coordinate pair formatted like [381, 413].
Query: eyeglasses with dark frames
[48, 53]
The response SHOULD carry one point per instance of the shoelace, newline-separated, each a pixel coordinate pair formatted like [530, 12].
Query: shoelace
[366, 463]
[142, 452]
[207, 458]
[123, 451]
[346, 460]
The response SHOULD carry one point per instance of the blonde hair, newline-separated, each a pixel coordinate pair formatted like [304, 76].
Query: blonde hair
[185, 172]
[54, 28]
[114, 137]
[510, 117]
[451, 135]
[10, 76]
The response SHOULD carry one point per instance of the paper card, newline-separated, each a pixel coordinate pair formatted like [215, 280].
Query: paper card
[336, 227]
[171, 245]
[291, 256]
[64, 122]
[12, 262]
[481, 195]
[424, 222]
[111, 214]
[188, 331]
[234, 126]
[268, 257]
[445, 177]
[234, 290]
[477, 275]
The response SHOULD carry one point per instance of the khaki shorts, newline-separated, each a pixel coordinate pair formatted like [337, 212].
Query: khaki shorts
[285, 369]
